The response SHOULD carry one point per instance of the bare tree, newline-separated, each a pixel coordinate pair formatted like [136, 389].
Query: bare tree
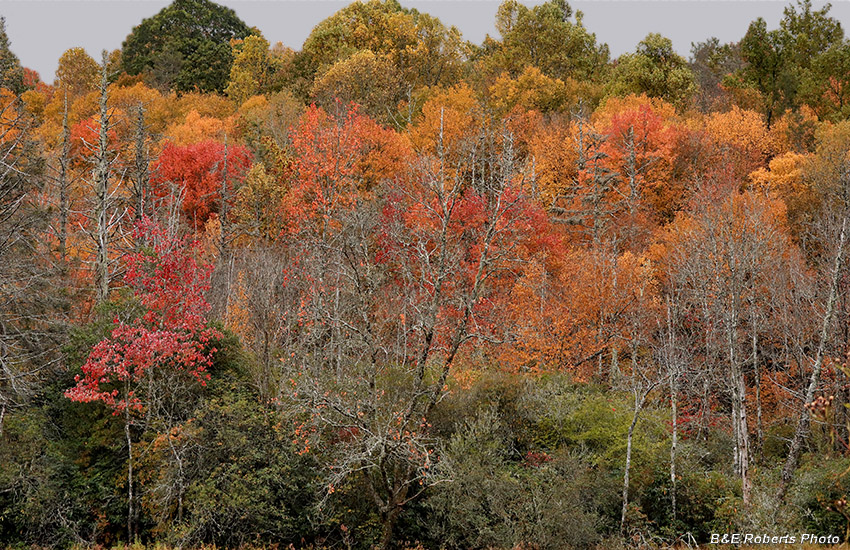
[141, 162]
[731, 250]
[31, 322]
[106, 215]
[803, 422]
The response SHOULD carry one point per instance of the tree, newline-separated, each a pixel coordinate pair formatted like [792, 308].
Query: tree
[195, 172]
[94, 143]
[804, 420]
[546, 38]
[32, 312]
[742, 139]
[448, 121]
[185, 46]
[655, 70]
[252, 70]
[104, 219]
[641, 376]
[170, 335]
[369, 80]
[640, 149]
[141, 163]
[11, 72]
[806, 33]
[590, 201]
[77, 73]
[339, 159]
[729, 257]
[194, 129]
[422, 49]
[531, 90]
[766, 70]
[711, 62]
[779, 59]
[825, 86]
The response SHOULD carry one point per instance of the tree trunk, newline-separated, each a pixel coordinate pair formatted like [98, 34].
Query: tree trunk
[672, 367]
[388, 527]
[757, 382]
[130, 504]
[739, 408]
[102, 193]
[673, 443]
[743, 433]
[638, 405]
[63, 187]
[141, 163]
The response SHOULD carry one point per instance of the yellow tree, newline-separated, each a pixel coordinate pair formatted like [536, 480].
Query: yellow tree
[449, 119]
[531, 90]
[369, 80]
[77, 73]
[252, 69]
[422, 49]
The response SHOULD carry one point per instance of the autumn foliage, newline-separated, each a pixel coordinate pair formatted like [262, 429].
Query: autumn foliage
[170, 334]
[196, 173]
[394, 289]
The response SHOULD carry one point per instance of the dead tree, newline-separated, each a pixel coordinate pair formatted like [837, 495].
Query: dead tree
[106, 217]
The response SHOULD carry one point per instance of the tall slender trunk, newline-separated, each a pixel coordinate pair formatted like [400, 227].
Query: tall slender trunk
[673, 371]
[673, 443]
[803, 423]
[130, 496]
[638, 405]
[739, 408]
[63, 187]
[101, 213]
[140, 162]
[757, 383]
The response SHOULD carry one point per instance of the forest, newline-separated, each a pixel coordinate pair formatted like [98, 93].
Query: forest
[400, 291]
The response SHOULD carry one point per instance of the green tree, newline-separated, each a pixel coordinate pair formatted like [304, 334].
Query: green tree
[185, 46]
[655, 70]
[825, 87]
[805, 33]
[545, 37]
[11, 72]
[766, 71]
[778, 61]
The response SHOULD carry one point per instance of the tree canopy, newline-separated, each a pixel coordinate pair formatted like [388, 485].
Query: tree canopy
[186, 45]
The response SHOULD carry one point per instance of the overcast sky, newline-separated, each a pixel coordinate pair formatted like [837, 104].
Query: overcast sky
[40, 30]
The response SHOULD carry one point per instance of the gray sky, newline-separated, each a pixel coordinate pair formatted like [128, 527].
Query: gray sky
[40, 30]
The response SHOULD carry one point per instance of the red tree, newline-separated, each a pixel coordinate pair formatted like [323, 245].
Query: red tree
[170, 334]
[198, 172]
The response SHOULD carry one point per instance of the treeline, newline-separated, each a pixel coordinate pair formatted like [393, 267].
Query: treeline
[398, 290]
